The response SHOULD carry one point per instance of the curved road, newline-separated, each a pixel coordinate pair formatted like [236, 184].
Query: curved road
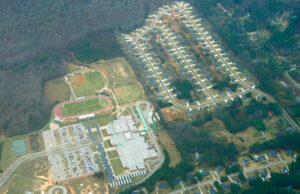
[134, 39]
[11, 169]
[57, 187]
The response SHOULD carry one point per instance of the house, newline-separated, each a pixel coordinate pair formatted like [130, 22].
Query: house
[251, 178]
[204, 173]
[177, 181]
[246, 162]
[225, 187]
[212, 190]
[219, 168]
[162, 185]
[284, 170]
[233, 164]
[259, 157]
[264, 176]
[238, 182]
[289, 129]
[290, 153]
[273, 154]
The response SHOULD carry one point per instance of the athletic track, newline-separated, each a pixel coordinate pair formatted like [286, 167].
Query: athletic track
[57, 109]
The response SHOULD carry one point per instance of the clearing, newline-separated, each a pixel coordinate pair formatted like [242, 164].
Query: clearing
[128, 93]
[168, 143]
[117, 70]
[55, 90]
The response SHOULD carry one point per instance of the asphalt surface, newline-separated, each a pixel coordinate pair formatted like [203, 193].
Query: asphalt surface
[11, 169]
[104, 159]
[161, 155]
[230, 176]
[64, 190]
[183, 106]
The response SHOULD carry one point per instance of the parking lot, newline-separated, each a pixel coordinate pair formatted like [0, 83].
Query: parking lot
[65, 135]
[69, 152]
[70, 164]
[187, 65]
[104, 159]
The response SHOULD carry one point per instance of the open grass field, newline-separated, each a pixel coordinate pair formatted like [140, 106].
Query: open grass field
[112, 154]
[128, 93]
[7, 154]
[83, 107]
[166, 141]
[55, 90]
[117, 166]
[103, 120]
[117, 71]
[250, 136]
[30, 176]
[73, 67]
[86, 84]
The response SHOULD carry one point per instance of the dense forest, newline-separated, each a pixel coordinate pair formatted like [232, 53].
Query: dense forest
[36, 38]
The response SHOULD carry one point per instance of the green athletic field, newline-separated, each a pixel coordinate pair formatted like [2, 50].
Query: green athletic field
[83, 107]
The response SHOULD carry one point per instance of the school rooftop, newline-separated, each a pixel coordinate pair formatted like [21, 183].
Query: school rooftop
[123, 124]
[133, 150]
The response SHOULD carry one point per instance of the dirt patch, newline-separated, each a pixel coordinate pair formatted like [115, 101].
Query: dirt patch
[47, 184]
[71, 189]
[80, 81]
[172, 114]
[118, 90]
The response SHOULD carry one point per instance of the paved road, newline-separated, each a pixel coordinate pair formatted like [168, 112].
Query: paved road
[289, 119]
[64, 190]
[11, 169]
[188, 64]
[230, 176]
[160, 153]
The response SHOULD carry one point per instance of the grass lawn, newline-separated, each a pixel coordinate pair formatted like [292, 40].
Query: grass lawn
[117, 70]
[106, 144]
[92, 81]
[84, 107]
[55, 90]
[128, 93]
[104, 119]
[112, 154]
[166, 140]
[73, 67]
[7, 154]
[97, 157]
[24, 178]
[117, 166]
[250, 136]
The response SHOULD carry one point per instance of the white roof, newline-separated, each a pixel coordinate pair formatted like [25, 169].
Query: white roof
[132, 151]
[86, 116]
[122, 125]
